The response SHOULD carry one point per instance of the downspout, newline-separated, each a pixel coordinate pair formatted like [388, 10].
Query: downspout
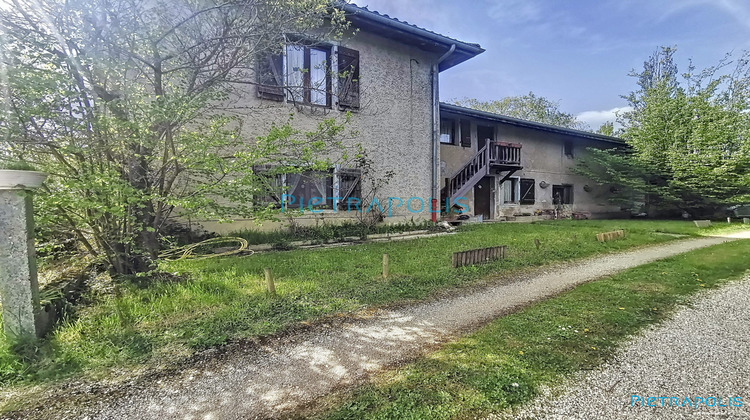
[436, 131]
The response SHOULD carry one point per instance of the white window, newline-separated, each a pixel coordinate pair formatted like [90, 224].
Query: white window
[510, 191]
[307, 75]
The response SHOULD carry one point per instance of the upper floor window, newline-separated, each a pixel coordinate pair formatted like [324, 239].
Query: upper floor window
[465, 126]
[306, 75]
[447, 131]
[568, 149]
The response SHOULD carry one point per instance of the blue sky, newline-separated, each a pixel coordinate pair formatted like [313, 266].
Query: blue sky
[575, 52]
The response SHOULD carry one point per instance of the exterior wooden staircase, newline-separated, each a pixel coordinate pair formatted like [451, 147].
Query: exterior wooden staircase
[493, 158]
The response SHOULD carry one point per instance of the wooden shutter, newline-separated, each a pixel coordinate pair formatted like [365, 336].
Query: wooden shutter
[270, 72]
[465, 133]
[348, 78]
[528, 192]
[349, 185]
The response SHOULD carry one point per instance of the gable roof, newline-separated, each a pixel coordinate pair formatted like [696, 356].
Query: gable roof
[410, 34]
[460, 110]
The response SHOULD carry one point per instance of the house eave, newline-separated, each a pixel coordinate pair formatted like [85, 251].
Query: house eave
[460, 110]
[409, 34]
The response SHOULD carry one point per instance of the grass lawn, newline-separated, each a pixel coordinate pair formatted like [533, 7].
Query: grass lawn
[131, 323]
[503, 364]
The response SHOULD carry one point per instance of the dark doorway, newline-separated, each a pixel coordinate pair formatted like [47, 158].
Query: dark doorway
[562, 194]
[484, 132]
[483, 193]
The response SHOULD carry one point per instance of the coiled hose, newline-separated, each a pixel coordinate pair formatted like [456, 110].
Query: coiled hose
[187, 252]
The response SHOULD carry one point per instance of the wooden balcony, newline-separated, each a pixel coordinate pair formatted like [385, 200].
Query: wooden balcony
[505, 154]
[494, 158]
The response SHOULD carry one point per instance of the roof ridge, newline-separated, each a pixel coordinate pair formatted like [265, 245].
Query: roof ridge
[539, 125]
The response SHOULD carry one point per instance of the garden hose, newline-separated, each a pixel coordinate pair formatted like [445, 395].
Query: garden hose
[187, 251]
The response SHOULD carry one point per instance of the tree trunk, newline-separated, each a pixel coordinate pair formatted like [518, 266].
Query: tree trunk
[146, 250]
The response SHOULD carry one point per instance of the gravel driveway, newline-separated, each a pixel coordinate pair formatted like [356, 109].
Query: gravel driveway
[702, 352]
[279, 378]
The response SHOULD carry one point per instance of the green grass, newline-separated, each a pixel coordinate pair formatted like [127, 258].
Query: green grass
[131, 323]
[503, 364]
[326, 232]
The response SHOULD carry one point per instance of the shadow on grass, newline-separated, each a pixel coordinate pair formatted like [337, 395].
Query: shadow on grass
[505, 363]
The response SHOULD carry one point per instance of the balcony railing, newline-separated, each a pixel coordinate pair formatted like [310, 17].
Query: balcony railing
[502, 153]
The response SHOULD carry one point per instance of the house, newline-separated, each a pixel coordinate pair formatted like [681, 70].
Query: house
[506, 167]
[387, 76]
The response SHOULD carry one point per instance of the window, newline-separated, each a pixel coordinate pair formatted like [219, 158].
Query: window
[447, 131]
[528, 191]
[308, 187]
[568, 149]
[510, 191]
[303, 75]
[562, 194]
[311, 188]
[307, 75]
[465, 133]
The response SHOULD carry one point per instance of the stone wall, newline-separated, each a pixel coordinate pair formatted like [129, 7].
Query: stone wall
[393, 123]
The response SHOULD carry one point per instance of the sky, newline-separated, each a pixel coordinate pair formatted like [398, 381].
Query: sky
[575, 52]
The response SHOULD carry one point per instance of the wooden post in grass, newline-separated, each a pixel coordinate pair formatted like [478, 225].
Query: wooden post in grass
[385, 266]
[269, 282]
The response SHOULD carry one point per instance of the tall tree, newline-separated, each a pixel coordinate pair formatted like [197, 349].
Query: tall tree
[690, 147]
[527, 107]
[127, 104]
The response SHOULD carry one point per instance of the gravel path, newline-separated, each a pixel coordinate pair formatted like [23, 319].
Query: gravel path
[703, 351]
[281, 377]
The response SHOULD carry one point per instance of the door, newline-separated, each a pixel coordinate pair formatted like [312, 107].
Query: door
[484, 132]
[483, 197]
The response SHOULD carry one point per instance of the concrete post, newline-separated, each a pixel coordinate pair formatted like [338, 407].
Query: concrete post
[19, 289]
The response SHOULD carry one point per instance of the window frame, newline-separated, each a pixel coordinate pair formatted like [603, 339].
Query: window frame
[342, 76]
[570, 195]
[452, 139]
[307, 83]
[336, 198]
[464, 138]
[515, 185]
[568, 149]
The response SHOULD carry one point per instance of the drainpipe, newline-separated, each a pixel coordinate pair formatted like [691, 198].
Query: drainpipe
[436, 131]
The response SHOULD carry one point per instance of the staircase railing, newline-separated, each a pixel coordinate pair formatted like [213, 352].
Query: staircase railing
[493, 153]
[477, 168]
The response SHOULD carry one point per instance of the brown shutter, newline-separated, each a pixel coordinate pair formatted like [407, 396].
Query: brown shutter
[528, 193]
[270, 74]
[465, 133]
[348, 77]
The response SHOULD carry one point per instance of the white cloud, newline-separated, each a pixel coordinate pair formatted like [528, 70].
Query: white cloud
[596, 118]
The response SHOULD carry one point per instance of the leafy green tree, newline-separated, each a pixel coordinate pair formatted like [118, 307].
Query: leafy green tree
[527, 107]
[689, 147]
[607, 129]
[129, 106]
